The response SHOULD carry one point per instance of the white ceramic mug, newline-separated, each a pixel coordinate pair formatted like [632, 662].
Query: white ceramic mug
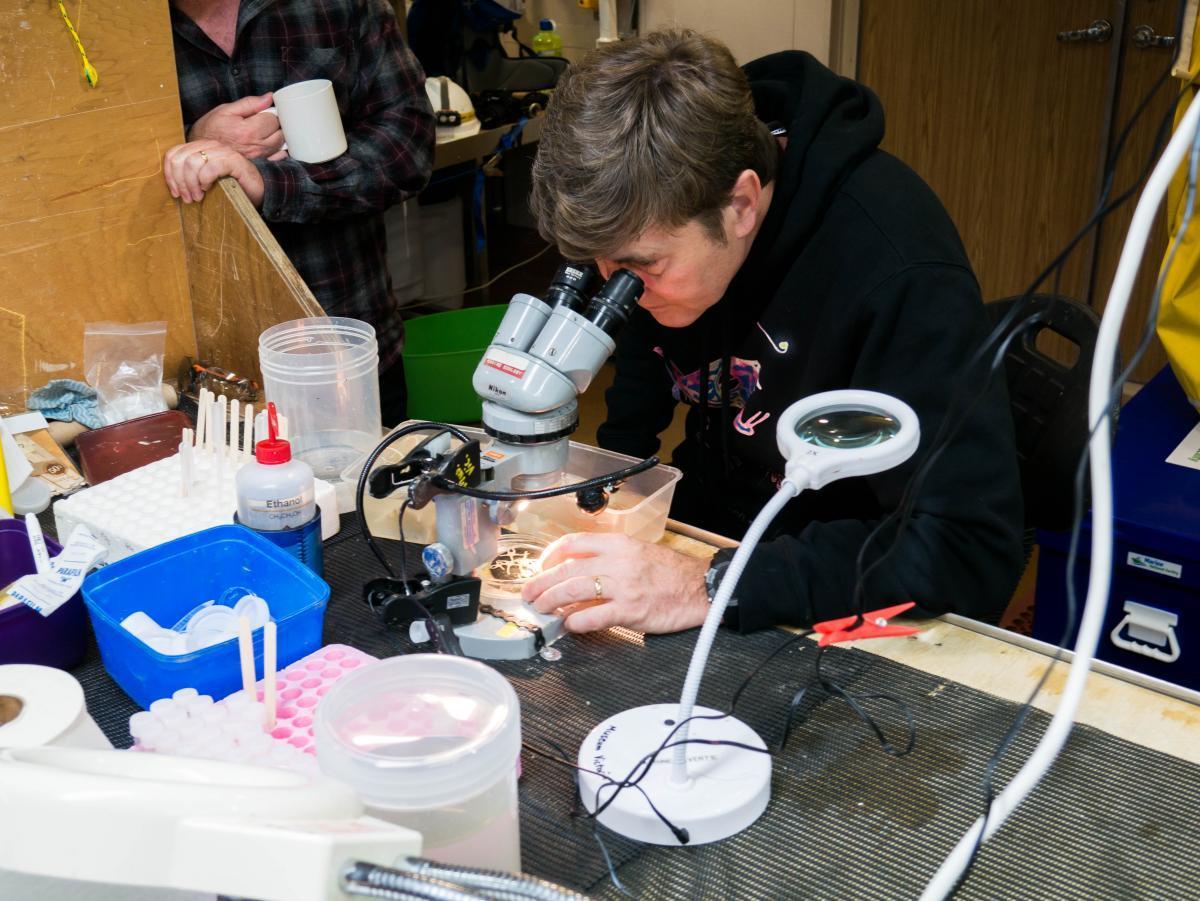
[312, 126]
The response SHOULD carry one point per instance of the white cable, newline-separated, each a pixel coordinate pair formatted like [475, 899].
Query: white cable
[1099, 576]
[716, 610]
[489, 282]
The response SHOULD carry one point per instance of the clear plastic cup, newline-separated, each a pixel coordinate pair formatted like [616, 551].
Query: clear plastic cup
[323, 375]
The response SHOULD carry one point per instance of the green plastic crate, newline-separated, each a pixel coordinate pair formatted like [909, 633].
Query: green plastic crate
[441, 351]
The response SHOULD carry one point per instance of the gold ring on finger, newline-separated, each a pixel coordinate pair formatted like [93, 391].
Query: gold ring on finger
[203, 156]
[599, 588]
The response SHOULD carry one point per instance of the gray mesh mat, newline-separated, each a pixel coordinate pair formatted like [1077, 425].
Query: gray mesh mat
[1112, 820]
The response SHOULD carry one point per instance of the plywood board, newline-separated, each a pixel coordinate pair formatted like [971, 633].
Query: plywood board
[241, 281]
[88, 230]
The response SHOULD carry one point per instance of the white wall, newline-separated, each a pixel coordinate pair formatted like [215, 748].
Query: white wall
[751, 28]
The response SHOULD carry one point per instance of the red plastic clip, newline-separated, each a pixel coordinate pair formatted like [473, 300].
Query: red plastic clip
[873, 625]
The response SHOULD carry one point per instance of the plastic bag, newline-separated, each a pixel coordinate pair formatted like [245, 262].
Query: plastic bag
[124, 363]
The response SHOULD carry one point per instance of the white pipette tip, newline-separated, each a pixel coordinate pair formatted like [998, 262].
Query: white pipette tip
[201, 416]
[248, 434]
[235, 418]
[246, 647]
[222, 423]
[269, 671]
[185, 466]
[37, 543]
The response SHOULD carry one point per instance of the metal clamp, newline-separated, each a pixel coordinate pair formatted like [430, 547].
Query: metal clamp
[1098, 32]
[1150, 630]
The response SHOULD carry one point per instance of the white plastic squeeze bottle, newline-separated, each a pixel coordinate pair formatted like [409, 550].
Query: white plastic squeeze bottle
[275, 492]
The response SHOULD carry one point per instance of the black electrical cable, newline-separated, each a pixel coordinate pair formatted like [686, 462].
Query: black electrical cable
[360, 491]
[538, 494]
[1104, 208]
[643, 766]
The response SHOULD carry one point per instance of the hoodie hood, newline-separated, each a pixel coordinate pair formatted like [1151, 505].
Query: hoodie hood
[833, 125]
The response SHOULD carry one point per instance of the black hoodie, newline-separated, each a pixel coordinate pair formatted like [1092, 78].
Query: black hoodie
[856, 279]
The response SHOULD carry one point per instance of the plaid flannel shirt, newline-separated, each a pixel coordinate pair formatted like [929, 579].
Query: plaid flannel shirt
[380, 91]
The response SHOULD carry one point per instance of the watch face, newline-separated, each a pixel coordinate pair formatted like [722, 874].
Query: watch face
[847, 429]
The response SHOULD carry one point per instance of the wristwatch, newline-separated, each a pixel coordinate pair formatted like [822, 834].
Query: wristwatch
[712, 578]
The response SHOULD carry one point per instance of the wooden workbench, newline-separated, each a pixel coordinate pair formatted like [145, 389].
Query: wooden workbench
[994, 661]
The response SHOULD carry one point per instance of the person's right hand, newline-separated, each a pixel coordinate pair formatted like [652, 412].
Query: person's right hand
[243, 125]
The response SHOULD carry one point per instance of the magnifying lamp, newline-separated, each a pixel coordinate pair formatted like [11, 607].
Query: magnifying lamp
[711, 788]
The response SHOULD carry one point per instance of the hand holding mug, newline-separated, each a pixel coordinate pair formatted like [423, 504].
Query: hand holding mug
[247, 125]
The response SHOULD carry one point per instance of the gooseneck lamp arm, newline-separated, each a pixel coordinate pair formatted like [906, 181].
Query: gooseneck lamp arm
[823, 438]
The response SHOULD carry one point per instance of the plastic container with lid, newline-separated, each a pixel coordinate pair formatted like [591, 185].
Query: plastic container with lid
[323, 375]
[431, 742]
[638, 510]
[547, 41]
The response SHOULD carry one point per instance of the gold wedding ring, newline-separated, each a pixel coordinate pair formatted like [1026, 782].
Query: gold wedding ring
[599, 588]
[203, 155]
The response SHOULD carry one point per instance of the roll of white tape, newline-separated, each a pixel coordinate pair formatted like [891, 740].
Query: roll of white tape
[40, 705]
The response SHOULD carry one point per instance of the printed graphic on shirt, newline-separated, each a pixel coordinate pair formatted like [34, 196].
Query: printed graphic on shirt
[743, 380]
[747, 426]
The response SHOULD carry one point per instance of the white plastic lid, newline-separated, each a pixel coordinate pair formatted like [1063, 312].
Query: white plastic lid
[419, 732]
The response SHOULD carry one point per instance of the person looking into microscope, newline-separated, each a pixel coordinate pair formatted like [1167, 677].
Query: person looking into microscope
[783, 254]
[327, 217]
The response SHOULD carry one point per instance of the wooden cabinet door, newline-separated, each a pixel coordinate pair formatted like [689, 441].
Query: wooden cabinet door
[1014, 128]
[1140, 68]
[1006, 123]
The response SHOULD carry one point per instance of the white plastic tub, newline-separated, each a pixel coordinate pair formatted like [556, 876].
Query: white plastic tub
[639, 509]
[431, 742]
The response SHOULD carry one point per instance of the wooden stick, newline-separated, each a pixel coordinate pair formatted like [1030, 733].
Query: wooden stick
[246, 647]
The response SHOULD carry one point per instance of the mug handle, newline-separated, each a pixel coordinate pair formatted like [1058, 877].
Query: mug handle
[275, 113]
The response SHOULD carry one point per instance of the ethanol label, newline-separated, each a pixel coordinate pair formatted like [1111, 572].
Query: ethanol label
[277, 512]
[506, 362]
[1154, 565]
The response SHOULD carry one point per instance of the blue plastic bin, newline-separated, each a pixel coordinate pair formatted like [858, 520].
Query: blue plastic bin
[169, 580]
[1156, 546]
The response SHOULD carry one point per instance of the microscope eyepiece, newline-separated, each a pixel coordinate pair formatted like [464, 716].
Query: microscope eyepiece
[571, 285]
[610, 308]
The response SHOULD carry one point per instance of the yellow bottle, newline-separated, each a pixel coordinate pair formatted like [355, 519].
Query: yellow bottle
[6, 505]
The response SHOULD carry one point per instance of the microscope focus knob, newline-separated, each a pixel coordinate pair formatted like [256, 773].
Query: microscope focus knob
[438, 560]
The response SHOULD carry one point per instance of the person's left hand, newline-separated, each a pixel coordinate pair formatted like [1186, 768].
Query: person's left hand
[599, 580]
[191, 169]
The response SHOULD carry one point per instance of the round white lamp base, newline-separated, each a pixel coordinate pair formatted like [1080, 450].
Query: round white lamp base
[727, 787]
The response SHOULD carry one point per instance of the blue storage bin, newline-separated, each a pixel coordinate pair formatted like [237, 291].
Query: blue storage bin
[169, 580]
[1152, 623]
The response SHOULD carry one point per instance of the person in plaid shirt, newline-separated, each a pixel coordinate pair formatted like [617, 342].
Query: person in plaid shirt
[327, 217]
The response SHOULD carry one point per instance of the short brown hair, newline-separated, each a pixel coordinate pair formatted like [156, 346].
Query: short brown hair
[647, 132]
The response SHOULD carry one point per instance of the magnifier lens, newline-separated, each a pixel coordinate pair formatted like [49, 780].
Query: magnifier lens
[847, 429]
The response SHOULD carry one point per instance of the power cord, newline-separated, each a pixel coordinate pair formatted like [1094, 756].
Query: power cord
[642, 767]
[1081, 469]
[949, 876]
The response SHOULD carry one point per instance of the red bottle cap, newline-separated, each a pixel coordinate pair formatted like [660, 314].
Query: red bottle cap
[273, 449]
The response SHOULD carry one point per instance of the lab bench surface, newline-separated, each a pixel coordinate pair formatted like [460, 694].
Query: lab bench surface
[1112, 819]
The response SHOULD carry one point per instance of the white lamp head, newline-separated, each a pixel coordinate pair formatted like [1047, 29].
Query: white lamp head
[838, 434]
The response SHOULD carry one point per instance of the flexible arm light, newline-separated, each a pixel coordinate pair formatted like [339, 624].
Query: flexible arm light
[823, 438]
[719, 788]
